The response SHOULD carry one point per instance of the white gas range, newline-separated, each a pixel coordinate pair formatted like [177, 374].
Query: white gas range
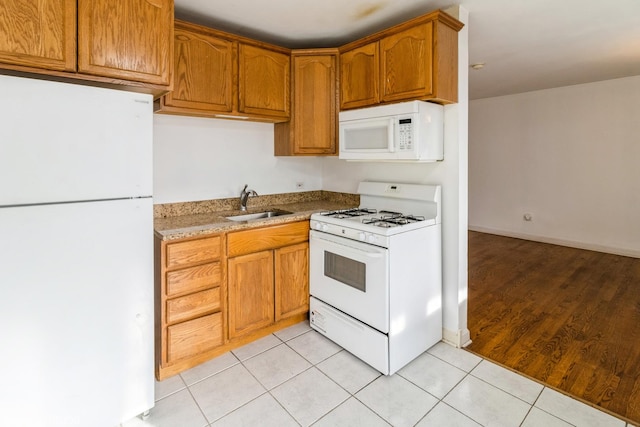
[376, 274]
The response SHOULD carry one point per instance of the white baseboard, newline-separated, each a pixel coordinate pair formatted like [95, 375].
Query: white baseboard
[460, 338]
[561, 242]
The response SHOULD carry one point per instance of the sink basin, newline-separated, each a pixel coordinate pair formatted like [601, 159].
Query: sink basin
[259, 215]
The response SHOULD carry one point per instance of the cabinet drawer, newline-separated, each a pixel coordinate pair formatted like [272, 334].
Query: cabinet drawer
[260, 239]
[182, 308]
[193, 279]
[193, 251]
[194, 337]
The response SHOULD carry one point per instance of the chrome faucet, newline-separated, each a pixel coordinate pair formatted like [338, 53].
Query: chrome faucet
[244, 197]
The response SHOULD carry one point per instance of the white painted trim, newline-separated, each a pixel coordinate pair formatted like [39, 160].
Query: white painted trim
[460, 338]
[561, 242]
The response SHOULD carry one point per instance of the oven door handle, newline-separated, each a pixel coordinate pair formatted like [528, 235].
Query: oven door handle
[343, 248]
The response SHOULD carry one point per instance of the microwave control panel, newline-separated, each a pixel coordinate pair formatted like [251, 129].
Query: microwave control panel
[405, 133]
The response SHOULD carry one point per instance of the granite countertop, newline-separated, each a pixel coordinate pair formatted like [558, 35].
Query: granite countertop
[182, 220]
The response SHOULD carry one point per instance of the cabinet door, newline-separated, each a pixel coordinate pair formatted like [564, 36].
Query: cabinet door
[203, 73]
[359, 77]
[406, 61]
[314, 106]
[292, 280]
[126, 39]
[263, 82]
[251, 292]
[39, 34]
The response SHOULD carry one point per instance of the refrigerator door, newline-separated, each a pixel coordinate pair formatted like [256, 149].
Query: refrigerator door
[66, 142]
[76, 302]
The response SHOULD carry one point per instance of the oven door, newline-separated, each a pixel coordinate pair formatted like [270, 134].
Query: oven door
[350, 276]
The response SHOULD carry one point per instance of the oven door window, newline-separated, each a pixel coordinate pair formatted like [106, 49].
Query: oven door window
[346, 270]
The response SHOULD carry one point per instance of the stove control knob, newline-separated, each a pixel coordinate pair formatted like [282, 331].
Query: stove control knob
[318, 226]
[371, 238]
[362, 236]
[323, 227]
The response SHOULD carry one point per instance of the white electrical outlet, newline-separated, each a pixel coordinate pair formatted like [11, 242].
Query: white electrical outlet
[299, 185]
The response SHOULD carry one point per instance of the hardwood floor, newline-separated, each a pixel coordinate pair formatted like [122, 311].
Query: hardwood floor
[567, 317]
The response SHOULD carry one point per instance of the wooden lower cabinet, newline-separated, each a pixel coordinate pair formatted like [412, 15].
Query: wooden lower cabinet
[194, 337]
[268, 277]
[216, 293]
[190, 308]
[251, 293]
[193, 305]
[291, 280]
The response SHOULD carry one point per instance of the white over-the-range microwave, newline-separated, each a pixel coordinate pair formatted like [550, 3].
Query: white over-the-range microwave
[406, 131]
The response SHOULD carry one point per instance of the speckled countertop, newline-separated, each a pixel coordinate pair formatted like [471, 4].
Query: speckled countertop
[189, 219]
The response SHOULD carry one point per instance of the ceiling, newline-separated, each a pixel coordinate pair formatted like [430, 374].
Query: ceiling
[525, 44]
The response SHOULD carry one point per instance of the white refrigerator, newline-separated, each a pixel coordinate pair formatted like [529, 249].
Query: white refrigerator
[76, 254]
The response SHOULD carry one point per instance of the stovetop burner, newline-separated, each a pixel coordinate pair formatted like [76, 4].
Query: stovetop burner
[349, 213]
[399, 209]
[392, 219]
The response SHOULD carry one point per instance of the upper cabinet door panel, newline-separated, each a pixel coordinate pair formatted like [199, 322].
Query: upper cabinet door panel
[359, 75]
[406, 61]
[126, 39]
[203, 73]
[314, 104]
[264, 81]
[39, 34]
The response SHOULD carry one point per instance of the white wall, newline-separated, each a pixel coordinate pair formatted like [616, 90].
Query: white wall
[202, 159]
[568, 156]
[451, 173]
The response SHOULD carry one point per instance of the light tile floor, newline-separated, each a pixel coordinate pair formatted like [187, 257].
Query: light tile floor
[296, 377]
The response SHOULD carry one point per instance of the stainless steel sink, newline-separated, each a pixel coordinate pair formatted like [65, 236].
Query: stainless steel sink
[259, 215]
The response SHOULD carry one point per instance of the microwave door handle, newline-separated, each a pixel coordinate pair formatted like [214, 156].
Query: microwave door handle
[391, 136]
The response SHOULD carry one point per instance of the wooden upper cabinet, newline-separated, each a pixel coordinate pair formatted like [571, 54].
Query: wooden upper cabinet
[359, 76]
[126, 39]
[39, 34]
[204, 69]
[263, 78]
[417, 59]
[312, 129]
[218, 74]
[406, 63]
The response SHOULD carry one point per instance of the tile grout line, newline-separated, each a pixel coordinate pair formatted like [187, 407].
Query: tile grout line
[531, 406]
[314, 365]
[199, 408]
[453, 357]
[466, 374]
[470, 373]
[548, 413]
[267, 390]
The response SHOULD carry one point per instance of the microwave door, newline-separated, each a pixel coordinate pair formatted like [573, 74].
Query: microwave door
[366, 137]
